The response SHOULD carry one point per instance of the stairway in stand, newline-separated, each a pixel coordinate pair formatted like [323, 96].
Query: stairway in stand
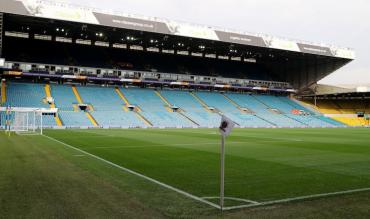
[169, 105]
[80, 101]
[137, 111]
[52, 105]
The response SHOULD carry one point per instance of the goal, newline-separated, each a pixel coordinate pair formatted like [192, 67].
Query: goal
[23, 121]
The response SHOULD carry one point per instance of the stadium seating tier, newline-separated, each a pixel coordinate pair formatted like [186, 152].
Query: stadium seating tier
[110, 107]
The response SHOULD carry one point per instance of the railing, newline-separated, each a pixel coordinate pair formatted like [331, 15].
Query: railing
[118, 74]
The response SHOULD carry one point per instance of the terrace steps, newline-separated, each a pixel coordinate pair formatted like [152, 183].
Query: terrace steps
[268, 107]
[122, 96]
[188, 118]
[288, 102]
[269, 122]
[145, 120]
[77, 95]
[236, 104]
[205, 106]
[80, 101]
[163, 98]
[3, 92]
[314, 109]
[352, 121]
[137, 111]
[48, 95]
[296, 120]
[58, 121]
[92, 119]
[169, 105]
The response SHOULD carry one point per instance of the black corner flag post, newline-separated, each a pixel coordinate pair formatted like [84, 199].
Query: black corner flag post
[225, 128]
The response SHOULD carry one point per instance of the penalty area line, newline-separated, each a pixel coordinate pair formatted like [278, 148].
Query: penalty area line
[138, 174]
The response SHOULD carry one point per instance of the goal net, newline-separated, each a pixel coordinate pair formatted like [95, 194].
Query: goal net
[25, 121]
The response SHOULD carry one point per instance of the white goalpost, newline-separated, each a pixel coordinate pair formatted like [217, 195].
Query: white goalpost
[29, 122]
[23, 121]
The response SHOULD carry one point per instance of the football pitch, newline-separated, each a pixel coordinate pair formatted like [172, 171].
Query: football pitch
[263, 166]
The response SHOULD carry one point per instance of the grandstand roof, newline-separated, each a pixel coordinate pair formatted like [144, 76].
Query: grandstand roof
[67, 12]
[297, 62]
[322, 90]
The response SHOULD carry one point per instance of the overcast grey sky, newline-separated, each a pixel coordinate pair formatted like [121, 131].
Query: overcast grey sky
[338, 22]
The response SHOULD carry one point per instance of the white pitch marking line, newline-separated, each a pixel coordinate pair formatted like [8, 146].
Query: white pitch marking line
[138, 174]
[299, 198]
[232, 198]
[184, 144]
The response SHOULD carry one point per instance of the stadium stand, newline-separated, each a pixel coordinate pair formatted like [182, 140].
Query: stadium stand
[107, 107]
[153, 109]
[354, 121]
[69, 112]
[29, 95]
[353, 106]
[191, 108]
[26, 95]
[341, 106]
[130, 107]
[343, 110]
[99, 60]
[74, 119]
[257, 104]
[311, 121]
[89, 107]
[50, 100]
[63, 97]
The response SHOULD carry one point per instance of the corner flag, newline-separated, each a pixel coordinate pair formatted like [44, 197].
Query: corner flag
[226, 126]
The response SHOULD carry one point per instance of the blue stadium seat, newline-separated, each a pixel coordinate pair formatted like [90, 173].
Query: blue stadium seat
[74, 119]
[192, 108]
[25, 95]
[63, 97]
[154, 109]
[264, 110]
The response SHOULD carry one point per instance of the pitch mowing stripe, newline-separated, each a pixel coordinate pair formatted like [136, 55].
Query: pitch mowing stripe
[185, 144]
[300, 198]
[138, 174]
[254, 204]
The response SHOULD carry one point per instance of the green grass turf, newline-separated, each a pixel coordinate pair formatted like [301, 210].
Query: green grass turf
[261, 165]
